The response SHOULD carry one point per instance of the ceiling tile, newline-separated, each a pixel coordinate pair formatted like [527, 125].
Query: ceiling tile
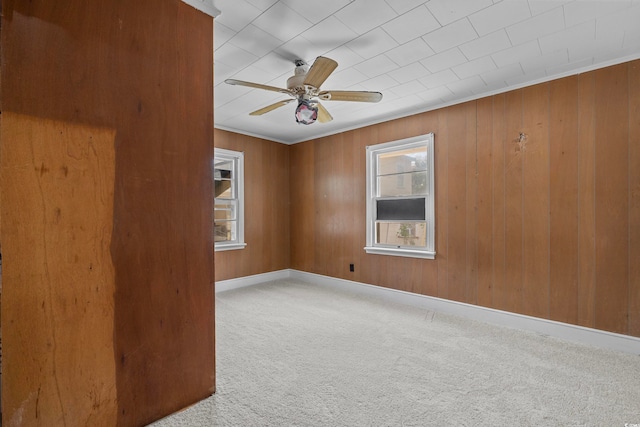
[236, 14]
[467, 87]
[271, 21]
[379, 83]
[450, 36]
[538, 26]
[501, 75]
[474, 68]
[329, 34]
[254, 40]
[435, 96]
[540, 6]
[486, 45]
[440, 78]
[548, 60]
[581, 11]
[402, 6]
[500, 15]
[373, 43]
[409, 88]
[316, 11]
[410, 52]
[572, 37]
[516, 53]
[233, 56]
[345, 57]
[375, 66]
[441, 61]
[408, 73]
[365, 15]
[262, 4]
[411, 25]
[221, 35]
[299, 48]
[448, 11]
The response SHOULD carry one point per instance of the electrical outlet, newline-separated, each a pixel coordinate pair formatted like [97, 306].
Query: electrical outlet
[352, 267]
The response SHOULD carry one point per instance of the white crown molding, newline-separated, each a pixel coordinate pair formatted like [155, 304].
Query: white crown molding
[563, 331]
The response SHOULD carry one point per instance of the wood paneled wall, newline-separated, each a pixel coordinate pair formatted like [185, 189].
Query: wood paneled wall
[266, 208]
[537, 202]
[106, 184]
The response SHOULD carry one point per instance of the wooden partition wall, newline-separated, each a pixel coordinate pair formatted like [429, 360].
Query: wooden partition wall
[537, 202]
[106, 193]
[266, 207]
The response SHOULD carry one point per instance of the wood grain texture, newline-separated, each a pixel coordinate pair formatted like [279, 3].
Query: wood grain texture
[612, 199]
[634, 199]
[586, 200]
[58, 277]
[485, 183]
[535, 201]
[267, 215]
[144, 71]
[514, 216]
[563, 199]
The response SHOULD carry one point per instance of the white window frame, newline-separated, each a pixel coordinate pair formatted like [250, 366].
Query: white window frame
[429, 252]
[237, 158]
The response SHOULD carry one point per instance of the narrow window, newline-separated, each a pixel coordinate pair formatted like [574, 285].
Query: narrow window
[228, 209]
[400, 198]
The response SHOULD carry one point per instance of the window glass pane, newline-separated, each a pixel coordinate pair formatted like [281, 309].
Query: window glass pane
[223, 169]
[224, 211]
[409, 160]
[224, 231]
[223, 190]
[401, 233]
[404, 184]
[401, 209]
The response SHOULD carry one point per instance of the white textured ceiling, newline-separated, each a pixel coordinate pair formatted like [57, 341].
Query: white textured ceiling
[420, 54]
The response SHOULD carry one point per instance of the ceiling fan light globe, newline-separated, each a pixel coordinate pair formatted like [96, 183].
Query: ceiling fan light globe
[306, 112]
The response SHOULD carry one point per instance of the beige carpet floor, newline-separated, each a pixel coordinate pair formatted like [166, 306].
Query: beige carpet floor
[295, 354]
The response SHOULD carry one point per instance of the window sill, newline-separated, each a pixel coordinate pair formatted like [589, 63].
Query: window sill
[229, 247]
[411, 253]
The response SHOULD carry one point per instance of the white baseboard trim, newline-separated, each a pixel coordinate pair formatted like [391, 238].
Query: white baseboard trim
[241, 282]
[564, 331]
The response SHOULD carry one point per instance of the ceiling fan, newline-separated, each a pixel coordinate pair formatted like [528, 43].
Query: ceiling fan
[304, 86]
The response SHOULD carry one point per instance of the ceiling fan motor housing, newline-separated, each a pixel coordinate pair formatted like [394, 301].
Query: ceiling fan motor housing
[295, 83]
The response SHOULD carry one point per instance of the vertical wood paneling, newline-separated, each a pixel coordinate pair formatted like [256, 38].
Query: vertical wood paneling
[612, 199]
[457, 203]
[563, 115]
[149, 80]
[535, 201]
[441, 147]
[471, 166]
[512, 298]
[634, 198]
[499, 144]
[267, 209]
[586, 200]
[302, 214]
[484, 239]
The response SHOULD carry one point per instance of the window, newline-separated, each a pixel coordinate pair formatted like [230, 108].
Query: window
[400, 198]
[228, 208]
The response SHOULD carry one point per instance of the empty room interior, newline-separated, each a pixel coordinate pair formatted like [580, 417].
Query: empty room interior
[347, 212]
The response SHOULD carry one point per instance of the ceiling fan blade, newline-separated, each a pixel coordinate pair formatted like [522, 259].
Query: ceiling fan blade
[270, 107]
[319, 71]
[257, 86]
[348, 95]
[323, 114]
